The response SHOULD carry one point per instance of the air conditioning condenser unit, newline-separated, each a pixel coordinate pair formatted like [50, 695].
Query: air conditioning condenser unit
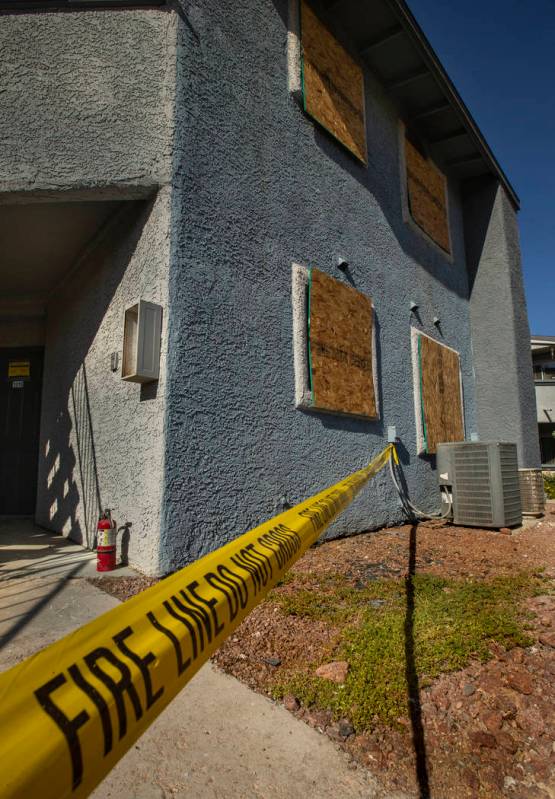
[484, 482]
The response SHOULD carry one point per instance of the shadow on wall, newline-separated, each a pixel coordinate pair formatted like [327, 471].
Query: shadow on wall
[478, 210]
[88, 471]
[388, 193]
[69, 487]
[57, 492]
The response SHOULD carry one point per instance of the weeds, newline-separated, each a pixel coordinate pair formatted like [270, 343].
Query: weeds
[453, 622]
[549, 483]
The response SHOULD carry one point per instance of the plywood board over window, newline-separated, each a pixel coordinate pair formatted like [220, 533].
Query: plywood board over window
[427, 196]
[438, 393]
[333, 84]
[341, 321]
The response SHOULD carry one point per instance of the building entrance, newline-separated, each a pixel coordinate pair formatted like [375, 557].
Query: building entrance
[20, 395]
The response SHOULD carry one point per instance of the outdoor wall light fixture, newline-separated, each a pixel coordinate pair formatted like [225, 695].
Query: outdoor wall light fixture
[413, 307]
[142, 327]
[437, 321]
[342, 264]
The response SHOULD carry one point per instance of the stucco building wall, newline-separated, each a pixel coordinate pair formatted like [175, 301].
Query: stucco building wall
[505, 400]
[102, 438]
[545, 401]
[261, 186]
[86, 100]
[199, 102]
[86, 112]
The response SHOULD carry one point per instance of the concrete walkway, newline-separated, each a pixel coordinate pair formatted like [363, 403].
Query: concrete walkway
[39, 600]
[27, 550]
[216, 740]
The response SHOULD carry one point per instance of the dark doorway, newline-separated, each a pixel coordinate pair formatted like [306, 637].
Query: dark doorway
[20, 393]
[547, 443]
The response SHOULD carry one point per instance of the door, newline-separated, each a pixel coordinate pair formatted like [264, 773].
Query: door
[547, 443]
[20, 393]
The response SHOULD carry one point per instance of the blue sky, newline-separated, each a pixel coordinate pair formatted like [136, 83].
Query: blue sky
[500, 54]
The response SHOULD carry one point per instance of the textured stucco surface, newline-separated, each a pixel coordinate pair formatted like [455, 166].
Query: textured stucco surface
[505, 400]
[116, 102]
[101, 437]
[545, 401]
[259, 186]
[86, 100]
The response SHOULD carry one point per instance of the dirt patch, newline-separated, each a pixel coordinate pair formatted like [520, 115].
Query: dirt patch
[123, 587]
[484, 730]
[443, 550]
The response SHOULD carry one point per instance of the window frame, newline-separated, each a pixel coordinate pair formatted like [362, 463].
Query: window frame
[408, 218]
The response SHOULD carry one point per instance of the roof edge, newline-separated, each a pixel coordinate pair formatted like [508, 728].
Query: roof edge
[414, 30]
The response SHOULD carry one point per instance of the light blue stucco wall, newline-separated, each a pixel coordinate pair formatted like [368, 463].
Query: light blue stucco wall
[257, 186]
[505, 400]
[86, 103]
[86, 112]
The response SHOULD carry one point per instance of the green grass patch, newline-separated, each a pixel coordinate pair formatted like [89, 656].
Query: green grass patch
[549, 483]
[438, 625]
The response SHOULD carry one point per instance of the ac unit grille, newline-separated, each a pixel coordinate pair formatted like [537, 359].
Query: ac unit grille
[532, 491]
[485, 483]
[511, 489]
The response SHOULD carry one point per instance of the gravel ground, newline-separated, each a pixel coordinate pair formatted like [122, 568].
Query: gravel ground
[485, 731]
[123, 587]
[443, 550]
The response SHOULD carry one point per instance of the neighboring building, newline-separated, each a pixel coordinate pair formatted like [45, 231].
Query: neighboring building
[185, 165]
[543, 359]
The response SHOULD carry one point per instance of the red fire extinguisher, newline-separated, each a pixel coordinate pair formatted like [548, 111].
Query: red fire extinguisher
[106, 543]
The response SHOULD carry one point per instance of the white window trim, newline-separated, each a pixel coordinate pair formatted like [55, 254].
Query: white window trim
[303, 393]
[420, 439]
[294, 82]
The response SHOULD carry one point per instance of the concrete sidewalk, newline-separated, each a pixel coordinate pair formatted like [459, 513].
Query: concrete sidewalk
[216, 740]
[220, 740]
[27, 550]
[37, 603]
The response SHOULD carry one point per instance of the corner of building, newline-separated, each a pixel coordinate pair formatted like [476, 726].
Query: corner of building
[506, 407]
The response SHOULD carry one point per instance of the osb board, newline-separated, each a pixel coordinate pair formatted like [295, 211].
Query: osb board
[333, 84]
[441, 397]
[340, 345]
[427, 196]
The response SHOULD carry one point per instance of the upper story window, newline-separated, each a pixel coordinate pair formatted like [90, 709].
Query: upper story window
[543, 360]
[332, 85]
[427, 195]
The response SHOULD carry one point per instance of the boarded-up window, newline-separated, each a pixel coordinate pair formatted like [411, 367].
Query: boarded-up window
[427, 196]
[340, 347]
[333, 85]
[438, 393]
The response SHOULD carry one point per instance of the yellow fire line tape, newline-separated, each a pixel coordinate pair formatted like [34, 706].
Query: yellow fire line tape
[70, 712]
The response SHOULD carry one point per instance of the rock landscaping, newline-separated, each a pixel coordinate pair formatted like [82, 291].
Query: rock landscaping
[426, 652]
